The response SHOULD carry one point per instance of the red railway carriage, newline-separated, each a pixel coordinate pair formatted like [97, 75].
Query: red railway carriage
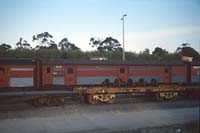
[17, 73]
[59, 72]
[162, 73]
[71, 72]
[79, 72]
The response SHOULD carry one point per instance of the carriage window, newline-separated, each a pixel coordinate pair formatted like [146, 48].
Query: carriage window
[70, 70]
[2, 70]
[122, 70]
[166, 70]
[48, 69]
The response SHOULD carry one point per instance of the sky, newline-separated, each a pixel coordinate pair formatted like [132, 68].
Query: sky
[148, 24]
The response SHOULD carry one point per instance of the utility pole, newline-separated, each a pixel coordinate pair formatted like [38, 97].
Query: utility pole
[123, 36]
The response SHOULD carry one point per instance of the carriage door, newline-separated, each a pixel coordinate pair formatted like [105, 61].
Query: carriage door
[70, 75]
[167, 75]
[3, 77]
[123, 71]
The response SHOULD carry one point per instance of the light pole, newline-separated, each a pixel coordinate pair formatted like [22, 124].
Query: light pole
[123, 35]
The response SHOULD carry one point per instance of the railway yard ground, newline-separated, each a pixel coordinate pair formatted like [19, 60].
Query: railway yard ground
[181, 116]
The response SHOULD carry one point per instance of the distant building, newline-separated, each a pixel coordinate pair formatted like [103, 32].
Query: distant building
[98, 58]
[187, 58]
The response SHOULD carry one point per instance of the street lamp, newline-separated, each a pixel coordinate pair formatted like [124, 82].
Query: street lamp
[123, 35]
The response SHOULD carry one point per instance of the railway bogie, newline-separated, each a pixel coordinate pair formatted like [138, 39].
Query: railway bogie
[47, 101]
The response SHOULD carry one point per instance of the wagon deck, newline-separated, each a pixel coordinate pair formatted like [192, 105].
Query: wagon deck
[160, 88]
[107, 94]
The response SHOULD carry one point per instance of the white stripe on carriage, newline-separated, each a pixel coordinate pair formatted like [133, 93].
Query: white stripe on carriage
[21, 69]
[96, 69]
[144, 69]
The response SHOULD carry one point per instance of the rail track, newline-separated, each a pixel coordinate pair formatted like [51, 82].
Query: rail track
[121, 99]
[19, 101]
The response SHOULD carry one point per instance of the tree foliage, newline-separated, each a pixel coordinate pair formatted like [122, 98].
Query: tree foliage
[108, 47]
[23, 44]
[186, 50]
[159, 52]
[109, 44]
[5, 47]
[64, 44]
[45, 41]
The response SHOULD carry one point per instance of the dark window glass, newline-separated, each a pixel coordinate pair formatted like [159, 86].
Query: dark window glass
[166, 70]
[2, 70]
[122, 70]
[70, 70]
[48, 69]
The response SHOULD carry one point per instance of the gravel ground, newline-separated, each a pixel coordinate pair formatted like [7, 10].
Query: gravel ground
[191, 127]
[100, 118]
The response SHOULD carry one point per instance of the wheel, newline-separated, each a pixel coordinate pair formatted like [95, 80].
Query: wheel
[130, 83]
[83, 99]
[36, 103]
[158, 97]
[154, 82]
[50, 102]
[91, 100]
[43, 100]
[53, 101]
[175, 96]
[117, 82]
[61, 100]
[111, 101]
[142, 82]
[106, 82]
[39, 102]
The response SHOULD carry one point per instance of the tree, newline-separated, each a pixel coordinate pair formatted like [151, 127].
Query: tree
[109, 44]
[146, 51]
[5, 47]
[23, 44]
[64, 44]
[179, 49]
[44, 40]
[159, 52]
[52, 45]
[144, 55]
[186, 50]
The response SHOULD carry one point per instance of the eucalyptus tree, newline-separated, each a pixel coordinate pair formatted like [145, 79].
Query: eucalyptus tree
[45, 41]
[186, 50]
[5, 47]
[64, 44]
[109, 44]
[23, 44]
[159, 52]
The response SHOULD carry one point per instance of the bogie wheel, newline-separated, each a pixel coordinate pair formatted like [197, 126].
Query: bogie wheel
[154, 82]
[130, 83]
[158, 97]
[111, 101]
[117, 82]
[176, 97]
[91, 100]
[106, 82]
[39, 102]
[36, 103]
[83, 99]
[53, 101]
[142, 82]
